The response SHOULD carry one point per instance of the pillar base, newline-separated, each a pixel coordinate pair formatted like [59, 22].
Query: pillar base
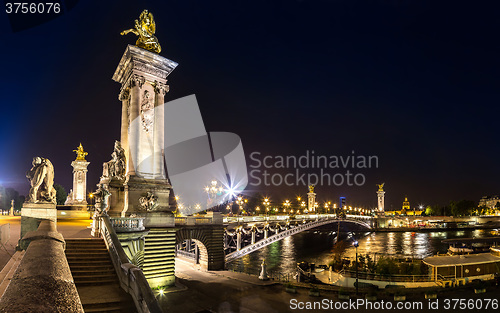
[33, 213]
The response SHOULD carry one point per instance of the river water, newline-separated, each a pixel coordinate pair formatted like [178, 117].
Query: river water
[319, 247]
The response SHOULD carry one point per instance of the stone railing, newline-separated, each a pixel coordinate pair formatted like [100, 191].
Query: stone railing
[127, 224]
[43, 280]
[211, 218]
[131, 277]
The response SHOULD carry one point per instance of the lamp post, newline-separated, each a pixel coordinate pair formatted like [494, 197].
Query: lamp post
[286, 204]
[356, 244]
[266, 205]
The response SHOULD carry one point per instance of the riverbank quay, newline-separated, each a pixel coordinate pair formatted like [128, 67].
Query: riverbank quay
[434, 229]
[214, 292]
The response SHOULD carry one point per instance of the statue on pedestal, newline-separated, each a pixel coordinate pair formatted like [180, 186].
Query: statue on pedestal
[115, 167]
[41, 177]
[69, 198]
[380, 186]
[80, 154]
[101, 195]
[311, 188]
[145, 28]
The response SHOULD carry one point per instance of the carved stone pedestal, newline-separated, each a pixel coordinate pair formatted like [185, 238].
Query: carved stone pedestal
[140, 196]
[33, 213]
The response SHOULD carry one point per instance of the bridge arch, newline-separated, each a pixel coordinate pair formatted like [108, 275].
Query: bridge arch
[210, 243]
[295, 228]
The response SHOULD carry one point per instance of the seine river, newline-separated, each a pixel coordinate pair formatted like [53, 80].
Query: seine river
[319, 246]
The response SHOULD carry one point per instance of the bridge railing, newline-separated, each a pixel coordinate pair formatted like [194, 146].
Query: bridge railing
[264, 218]
[389, 278]
[127, 224]
[131, 277]
[193, 220]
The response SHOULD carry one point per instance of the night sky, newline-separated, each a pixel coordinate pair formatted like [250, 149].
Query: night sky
[415, 83]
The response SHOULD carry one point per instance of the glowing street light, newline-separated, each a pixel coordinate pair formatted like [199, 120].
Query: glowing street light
[356, 244]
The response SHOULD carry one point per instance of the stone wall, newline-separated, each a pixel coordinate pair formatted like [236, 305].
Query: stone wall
[43, 281]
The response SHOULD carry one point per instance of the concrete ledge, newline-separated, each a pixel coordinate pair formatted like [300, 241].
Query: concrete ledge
[43, 281]
[46, 230]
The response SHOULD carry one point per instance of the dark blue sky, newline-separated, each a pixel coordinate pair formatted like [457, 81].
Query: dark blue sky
[412, 82]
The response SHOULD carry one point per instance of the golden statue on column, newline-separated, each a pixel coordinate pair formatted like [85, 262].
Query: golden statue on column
[145, 28]
[80, 154]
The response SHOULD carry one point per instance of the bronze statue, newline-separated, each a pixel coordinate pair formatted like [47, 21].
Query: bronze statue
[145, 28]
[41, 177]
[80, 154]
[380, 187]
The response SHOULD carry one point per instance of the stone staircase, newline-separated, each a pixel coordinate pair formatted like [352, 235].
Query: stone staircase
[95, 277]
[159, 256]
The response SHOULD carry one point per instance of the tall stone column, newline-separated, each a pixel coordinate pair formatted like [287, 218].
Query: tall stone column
[80, 182]
[78, 196]
[311, 202]
[135, 84]
[145, 189]
[124, 97]
[159, 120]
[380, 202]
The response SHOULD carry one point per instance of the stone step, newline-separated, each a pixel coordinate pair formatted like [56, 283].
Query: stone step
[155, 259]
[84, 247]
[162, 239]
[80, 262]
[163, 251]
[105, 298]
[81, 273]
[158, 272]
[158, 242]
[157, 256]
[91, 266]
[85, 283]
[157, 263]
[124, 306]
[162, 235]
[158, 275]
[86, 256]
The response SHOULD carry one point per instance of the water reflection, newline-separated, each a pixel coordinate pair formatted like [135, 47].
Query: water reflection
[319, 247]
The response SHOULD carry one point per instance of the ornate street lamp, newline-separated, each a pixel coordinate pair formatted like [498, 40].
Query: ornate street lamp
[356, 244]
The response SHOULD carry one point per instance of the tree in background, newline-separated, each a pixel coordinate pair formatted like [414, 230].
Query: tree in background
[61, 194]
[9, 194]
[462, 207]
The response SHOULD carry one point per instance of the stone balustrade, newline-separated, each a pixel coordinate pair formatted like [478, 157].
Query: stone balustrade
[127, 224]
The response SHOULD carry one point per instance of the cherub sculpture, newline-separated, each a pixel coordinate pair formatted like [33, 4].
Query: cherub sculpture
[145, 28]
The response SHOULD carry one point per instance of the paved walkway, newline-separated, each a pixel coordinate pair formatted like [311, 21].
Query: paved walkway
[68, 227]
[227, 292]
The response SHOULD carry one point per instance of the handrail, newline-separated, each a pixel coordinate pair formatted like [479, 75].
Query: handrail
[391, 278]
[131, 277]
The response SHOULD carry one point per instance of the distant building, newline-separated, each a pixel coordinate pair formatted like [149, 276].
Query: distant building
[405, 210]
[489, 202]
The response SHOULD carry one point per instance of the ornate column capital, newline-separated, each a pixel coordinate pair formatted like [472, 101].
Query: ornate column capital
[137, 80]
[124, 94]
[160, 88]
